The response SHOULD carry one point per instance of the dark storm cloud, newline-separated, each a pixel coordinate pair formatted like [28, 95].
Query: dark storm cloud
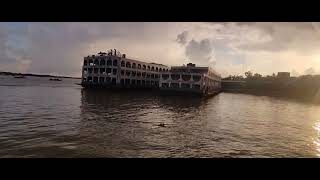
[182, 38]
[199, 51]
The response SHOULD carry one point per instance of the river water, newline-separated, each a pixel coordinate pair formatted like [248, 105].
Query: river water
[41, 118]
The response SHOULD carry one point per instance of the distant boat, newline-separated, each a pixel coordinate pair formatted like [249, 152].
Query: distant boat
[19, 77]
[55, 79]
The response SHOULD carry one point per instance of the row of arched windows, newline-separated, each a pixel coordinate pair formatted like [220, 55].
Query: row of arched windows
[143, 67]
[101, 62]
[195, 78]
[129, 73]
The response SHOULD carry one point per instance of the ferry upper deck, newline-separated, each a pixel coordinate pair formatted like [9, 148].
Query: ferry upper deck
[114, 68]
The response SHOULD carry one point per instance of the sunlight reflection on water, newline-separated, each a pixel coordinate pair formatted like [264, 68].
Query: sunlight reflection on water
[317, 139]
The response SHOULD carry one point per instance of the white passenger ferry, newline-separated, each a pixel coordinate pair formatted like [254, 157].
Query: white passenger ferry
[115, 70]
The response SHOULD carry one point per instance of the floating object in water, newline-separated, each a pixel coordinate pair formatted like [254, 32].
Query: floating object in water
[161, 125]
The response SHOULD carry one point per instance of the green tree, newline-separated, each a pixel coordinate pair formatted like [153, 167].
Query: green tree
[248, 74]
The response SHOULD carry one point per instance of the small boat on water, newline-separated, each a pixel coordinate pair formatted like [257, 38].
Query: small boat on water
[19, 77]
[55, 79]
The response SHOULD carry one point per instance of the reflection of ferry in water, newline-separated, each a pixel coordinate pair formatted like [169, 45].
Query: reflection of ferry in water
[115, 70]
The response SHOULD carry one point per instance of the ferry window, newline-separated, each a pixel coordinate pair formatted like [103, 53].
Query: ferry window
[133, 65]
[156, 76]
[148, 75]
[174, 85]
[175, 76]
[152, 68]
[185, 85]
[96, 62]
[157, 69]
[143, 74]
[196, 78]
[108, 79]
[196, 86]
[139, 66]
[160, 69]
[90, 62]
[102, 70]
[122, 72]
[128, 65]
[133, 73]
[128, 73]
[186, 77]
[95, 79]
[108, 70]
[95, 70]
[165, 85]
[90, 70]
[138, 74]
[115, 62]
[85, 62]
[148, 68]
[122, 64]
[109, 62]
[102, 62]
[114, 71]
[101, 79]
[114, 80]
[144, 67]
[165, 76]
[152, 76]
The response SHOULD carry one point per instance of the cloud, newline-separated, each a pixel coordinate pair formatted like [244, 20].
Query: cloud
[302, 37]
[309, 71]
[182, 38]
[60, 47]
[264, 47]
[200, 52]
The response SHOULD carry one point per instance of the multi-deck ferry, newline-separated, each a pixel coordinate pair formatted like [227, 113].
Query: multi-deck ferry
[115, 70]
[192, 79]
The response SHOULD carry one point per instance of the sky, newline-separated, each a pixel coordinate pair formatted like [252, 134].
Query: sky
[231, 48]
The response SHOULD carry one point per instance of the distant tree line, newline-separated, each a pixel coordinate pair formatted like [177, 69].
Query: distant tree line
[306, 87]
[250, 76]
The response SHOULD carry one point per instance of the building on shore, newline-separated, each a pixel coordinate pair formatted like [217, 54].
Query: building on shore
[283, 75]
[115, 70]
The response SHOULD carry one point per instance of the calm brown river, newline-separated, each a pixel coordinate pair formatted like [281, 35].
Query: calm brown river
[41, 118]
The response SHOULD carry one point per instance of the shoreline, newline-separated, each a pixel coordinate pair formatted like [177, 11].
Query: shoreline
[35, 75]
